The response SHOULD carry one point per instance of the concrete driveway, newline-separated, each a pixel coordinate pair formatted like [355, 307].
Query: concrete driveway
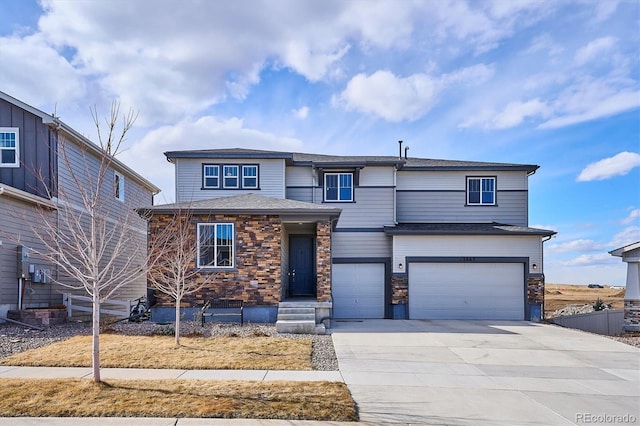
[486, 372]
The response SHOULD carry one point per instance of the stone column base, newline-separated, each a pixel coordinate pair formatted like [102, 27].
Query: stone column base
[631, 316]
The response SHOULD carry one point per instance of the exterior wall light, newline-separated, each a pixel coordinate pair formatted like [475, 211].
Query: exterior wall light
[400, 265]
[534, 266]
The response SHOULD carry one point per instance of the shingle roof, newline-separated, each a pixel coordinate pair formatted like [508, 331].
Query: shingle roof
[349, 160]
[246, 204]
[464, 229]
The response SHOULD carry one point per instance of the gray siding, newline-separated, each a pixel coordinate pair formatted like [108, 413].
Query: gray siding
[74, 161]
[17, 230]
[300, 176]
[449, 206]
[36, 150]
[189, 179]
[373, 208]
[453, 181]
[361, 244]
[300, 194]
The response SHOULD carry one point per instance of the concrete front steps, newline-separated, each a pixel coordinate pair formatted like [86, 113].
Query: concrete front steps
[298, 318]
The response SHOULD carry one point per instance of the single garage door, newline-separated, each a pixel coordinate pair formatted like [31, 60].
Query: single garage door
[358, 290]
[466, 291]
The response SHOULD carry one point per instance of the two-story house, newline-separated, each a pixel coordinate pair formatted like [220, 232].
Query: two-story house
[361, 236]
[39, 155]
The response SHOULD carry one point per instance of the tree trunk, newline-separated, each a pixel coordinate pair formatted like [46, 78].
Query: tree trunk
[177, 331]
[95, 346]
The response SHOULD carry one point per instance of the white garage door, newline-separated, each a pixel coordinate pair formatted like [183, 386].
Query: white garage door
[358, 290]
[466, 291]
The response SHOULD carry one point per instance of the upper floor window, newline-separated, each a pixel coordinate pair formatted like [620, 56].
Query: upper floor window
[9, 147]
[338, 187]
[230, 176]
[118, 186]
[249, 176]
[211, 176]
[481, 191]
[215, 245]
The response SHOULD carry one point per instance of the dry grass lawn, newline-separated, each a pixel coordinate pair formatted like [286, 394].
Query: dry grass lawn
[558, 296]
[176, 398]
[194, 353]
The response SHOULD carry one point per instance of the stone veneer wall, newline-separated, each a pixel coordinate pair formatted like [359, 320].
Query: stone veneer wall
[631, 316]
[256, 279]
[535, 290]
[323, 261]
[399, 289]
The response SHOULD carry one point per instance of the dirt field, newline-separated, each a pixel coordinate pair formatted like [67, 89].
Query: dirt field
[558, 296]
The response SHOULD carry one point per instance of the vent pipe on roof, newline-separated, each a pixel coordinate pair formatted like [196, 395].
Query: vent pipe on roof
[400, 150]
[405, 152]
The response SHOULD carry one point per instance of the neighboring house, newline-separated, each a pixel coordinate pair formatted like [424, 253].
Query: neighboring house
[33, 176]
[361, 236]
[630, 254]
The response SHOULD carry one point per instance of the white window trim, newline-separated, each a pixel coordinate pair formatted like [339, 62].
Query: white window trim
[481, 178]
[15, 130]
[205, 176]
[350, 200]
[120, 194]
[215, 246]
[237, 176]
[244, 185]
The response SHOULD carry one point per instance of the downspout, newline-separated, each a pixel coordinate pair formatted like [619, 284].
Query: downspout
[543, 240]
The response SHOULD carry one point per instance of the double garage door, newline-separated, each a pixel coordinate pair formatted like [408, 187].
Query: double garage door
[436, 290]
[466, 291]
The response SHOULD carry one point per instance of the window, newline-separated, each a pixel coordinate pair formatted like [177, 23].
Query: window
[9, 147]
[211, 176]
[118, 186]
[481, 191]
[338, 187]
[215, 245]
[249, 176]
[230, 176]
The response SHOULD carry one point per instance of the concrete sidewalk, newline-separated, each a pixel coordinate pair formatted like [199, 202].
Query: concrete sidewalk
[148, 374]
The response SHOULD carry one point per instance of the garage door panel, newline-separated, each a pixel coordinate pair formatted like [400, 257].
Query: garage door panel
[466, 291]
[358, 290]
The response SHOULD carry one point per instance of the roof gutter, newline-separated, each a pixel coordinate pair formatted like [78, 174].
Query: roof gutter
[25, 196]
[58, 125]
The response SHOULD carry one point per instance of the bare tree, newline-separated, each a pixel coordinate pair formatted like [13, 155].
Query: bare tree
[173, 252]
[95, 239]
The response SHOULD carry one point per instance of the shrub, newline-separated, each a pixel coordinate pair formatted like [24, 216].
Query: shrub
[599, 305]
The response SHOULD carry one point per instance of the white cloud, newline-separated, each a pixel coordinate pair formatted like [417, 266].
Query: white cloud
[595, 49]
[405, 98]
[634, 216]
[629, 235]
[545, 43]
[516, 112]
[618, 165]
[34, 72]
[580, 245]
[301, 113]
[604, 9]
[591, 260]
[390, 97]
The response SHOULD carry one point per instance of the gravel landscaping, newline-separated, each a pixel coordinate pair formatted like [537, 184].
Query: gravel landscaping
[15, 338]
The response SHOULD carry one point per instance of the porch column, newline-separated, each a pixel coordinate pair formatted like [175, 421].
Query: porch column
[632, 295]
[323, 261]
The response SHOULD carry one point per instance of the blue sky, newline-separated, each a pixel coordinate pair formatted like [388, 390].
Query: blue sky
[553, 83]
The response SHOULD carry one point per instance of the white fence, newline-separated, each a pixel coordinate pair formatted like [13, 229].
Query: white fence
[118, 308]
[607, 322]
